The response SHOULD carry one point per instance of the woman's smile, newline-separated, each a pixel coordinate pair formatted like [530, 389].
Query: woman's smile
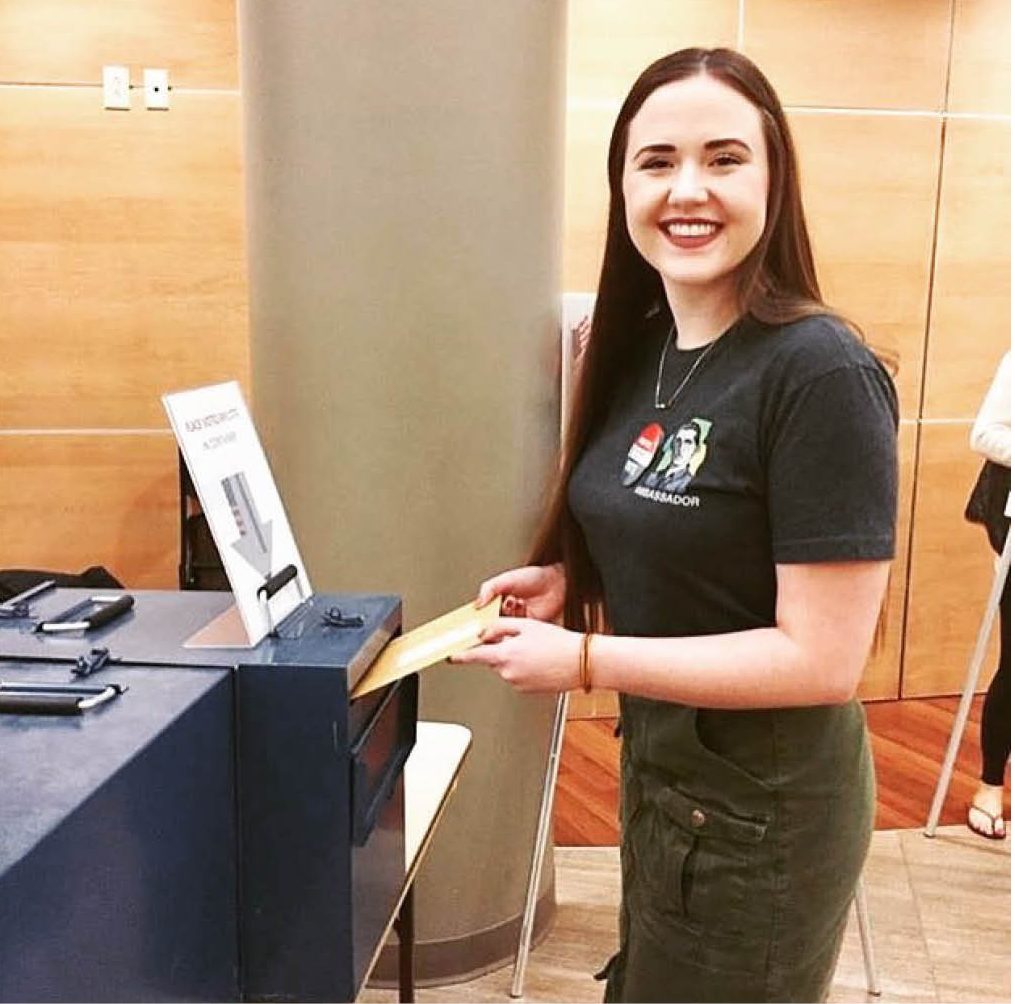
[690, 234]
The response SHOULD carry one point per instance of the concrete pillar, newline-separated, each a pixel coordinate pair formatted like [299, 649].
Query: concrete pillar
[403, 166]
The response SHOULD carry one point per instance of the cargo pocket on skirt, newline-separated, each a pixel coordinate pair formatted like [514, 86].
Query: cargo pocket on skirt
[720, 869]
[705, 890]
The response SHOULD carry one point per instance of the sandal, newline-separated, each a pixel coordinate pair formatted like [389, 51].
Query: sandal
[997, 830]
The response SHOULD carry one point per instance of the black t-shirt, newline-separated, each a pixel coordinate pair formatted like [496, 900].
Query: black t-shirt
[780, 448]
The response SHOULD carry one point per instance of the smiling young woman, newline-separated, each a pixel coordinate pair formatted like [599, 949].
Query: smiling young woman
[717, 549]
[695, 182]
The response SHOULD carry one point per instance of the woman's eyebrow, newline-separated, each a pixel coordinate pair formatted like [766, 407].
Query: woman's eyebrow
[656, 148]
[711, 144]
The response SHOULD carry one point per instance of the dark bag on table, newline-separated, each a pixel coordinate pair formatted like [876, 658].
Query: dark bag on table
[14, 581]
[987, 501]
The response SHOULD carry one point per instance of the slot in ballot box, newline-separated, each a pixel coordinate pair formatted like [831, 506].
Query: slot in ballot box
[270, 785]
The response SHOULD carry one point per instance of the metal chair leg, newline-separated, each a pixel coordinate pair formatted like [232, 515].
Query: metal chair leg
[866, 939]
[962, 715]
[539, 850]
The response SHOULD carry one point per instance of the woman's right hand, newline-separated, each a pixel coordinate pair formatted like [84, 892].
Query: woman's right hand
[532, 591]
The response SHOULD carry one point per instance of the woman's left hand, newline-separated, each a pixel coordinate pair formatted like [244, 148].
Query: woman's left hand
[532, 655]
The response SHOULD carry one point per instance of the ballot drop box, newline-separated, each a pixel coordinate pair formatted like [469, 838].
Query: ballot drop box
[187, 821]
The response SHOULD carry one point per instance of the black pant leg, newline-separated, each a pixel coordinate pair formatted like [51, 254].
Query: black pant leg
[995, 726]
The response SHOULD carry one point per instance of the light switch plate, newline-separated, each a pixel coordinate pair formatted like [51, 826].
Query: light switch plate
[116, 87]
[156, 90]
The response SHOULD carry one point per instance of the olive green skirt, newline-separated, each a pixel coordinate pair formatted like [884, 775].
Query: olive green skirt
[743, 836]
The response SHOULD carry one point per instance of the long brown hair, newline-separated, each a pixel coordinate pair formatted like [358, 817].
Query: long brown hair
[776, 284]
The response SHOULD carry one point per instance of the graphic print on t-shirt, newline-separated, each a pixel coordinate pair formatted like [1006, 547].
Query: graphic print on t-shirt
[642, 453]
[683, 452]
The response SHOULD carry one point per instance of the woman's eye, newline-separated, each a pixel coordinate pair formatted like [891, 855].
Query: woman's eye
[655, 164]
[726, 160]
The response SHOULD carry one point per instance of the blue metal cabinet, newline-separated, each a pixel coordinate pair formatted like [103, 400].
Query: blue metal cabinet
[315, 803]
[118, 843]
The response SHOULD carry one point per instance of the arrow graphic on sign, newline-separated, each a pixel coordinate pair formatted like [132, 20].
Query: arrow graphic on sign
[254, 544]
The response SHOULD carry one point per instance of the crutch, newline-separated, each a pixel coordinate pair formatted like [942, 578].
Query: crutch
[1003, 567]
[866, 939]
[538, 851]
[572, 321]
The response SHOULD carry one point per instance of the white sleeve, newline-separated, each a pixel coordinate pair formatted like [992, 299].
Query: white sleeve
[991, 433]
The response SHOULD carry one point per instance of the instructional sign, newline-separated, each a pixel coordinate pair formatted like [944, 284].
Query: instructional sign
[240, 501]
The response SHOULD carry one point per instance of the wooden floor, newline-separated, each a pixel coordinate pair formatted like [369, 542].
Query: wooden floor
[939, 915]
[908, 738]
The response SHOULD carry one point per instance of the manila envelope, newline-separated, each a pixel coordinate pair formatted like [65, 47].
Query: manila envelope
[448, 634]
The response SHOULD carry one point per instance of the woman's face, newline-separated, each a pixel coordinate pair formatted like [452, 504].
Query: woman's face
[686, 444]
[696, 183]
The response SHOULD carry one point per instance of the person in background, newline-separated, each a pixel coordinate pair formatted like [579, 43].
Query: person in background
[991, 437]
[740, 608]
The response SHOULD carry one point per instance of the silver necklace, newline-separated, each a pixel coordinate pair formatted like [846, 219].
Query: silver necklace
[672, 337]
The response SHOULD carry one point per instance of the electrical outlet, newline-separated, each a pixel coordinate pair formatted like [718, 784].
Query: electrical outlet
[156, 90]
[116, 87]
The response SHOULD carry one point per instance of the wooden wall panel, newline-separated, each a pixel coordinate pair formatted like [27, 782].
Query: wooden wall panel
[971, 306]
[121, 256]
[852, 53]
[952, 567]
[78, 500]
[980, 78]
[870, 187]
[881, 677]
[68, 41]
[610, 44]
[587, 197]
